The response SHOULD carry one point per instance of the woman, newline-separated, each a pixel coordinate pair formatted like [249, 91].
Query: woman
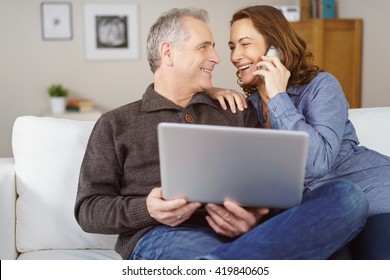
[291, 93]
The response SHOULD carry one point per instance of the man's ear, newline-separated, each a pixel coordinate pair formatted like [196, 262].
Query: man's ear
[166, 53]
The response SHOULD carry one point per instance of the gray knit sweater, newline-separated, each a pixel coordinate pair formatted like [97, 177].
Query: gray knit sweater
[121, 163]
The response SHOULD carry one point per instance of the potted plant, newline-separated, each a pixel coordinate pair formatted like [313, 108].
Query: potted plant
[58, 96]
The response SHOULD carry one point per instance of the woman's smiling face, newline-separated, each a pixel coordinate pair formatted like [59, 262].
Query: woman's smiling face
[247, 46]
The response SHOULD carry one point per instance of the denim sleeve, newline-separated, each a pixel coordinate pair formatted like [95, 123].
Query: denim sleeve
[321, 110]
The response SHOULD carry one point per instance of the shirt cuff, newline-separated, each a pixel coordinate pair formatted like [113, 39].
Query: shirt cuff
[280, 103]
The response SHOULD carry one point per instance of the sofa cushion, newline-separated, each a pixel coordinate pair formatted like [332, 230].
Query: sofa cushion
[70, 255]
[48, 153]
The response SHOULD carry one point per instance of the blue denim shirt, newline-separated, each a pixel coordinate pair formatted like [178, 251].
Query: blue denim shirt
[321, 109]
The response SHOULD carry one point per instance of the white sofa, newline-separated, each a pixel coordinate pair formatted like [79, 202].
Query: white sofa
[38, 186]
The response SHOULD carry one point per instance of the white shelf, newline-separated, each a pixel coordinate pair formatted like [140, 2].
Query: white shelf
[82, 116]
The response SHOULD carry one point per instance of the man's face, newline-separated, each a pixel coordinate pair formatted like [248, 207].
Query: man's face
[195, 62]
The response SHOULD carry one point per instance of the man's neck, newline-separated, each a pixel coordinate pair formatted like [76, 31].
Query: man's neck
[173, 93]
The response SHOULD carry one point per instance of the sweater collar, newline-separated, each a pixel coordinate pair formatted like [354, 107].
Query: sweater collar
[153, 101]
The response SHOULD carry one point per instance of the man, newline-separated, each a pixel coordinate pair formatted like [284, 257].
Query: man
[119, 189]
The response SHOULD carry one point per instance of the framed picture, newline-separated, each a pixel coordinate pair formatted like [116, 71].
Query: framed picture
[111, 31]
[56, 21]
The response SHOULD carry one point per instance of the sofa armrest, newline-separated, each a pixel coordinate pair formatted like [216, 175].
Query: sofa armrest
[7, 209]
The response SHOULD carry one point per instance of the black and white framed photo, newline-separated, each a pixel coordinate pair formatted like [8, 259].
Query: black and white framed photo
[56, 21]
[111, 31]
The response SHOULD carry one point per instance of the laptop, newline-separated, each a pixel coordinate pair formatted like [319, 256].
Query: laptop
[252, 166]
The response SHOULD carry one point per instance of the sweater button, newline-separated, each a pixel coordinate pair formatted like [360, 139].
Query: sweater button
[188, 118]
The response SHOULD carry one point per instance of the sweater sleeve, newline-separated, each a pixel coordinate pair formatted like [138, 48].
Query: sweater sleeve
[101, 207]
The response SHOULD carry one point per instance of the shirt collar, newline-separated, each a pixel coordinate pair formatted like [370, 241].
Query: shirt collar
[153, 101]
[291, 90]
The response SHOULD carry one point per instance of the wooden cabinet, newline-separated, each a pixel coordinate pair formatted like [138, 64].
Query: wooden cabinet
[337, 48]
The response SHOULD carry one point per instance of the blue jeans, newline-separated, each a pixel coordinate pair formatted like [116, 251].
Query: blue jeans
[329, 217]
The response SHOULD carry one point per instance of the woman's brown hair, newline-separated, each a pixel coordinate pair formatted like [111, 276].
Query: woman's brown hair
[276, 30]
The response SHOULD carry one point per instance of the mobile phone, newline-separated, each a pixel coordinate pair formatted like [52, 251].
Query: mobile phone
[273, 51]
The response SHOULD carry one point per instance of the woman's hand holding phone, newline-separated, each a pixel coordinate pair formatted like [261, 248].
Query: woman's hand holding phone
[274, 74]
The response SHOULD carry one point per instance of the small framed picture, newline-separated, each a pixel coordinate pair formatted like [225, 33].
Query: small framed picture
[56, 21]
[111, 31]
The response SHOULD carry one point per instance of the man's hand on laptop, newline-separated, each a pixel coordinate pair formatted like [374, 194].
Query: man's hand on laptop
[169, 212]
[232, 220]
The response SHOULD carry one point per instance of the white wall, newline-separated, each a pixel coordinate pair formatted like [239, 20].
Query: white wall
[376, 47]
[28, 65]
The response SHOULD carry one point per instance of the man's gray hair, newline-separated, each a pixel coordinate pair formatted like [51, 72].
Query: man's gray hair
[169, 28]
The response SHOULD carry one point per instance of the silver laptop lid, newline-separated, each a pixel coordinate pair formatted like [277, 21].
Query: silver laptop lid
[252, 166]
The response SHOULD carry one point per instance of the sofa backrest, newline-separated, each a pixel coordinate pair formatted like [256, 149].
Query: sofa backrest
[48, 153]
[371, 127]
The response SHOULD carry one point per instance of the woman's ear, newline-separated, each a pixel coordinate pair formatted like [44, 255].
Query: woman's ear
[166, 53]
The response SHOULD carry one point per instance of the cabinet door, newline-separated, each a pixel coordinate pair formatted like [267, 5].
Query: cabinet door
[336, 45]
[312, 31]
